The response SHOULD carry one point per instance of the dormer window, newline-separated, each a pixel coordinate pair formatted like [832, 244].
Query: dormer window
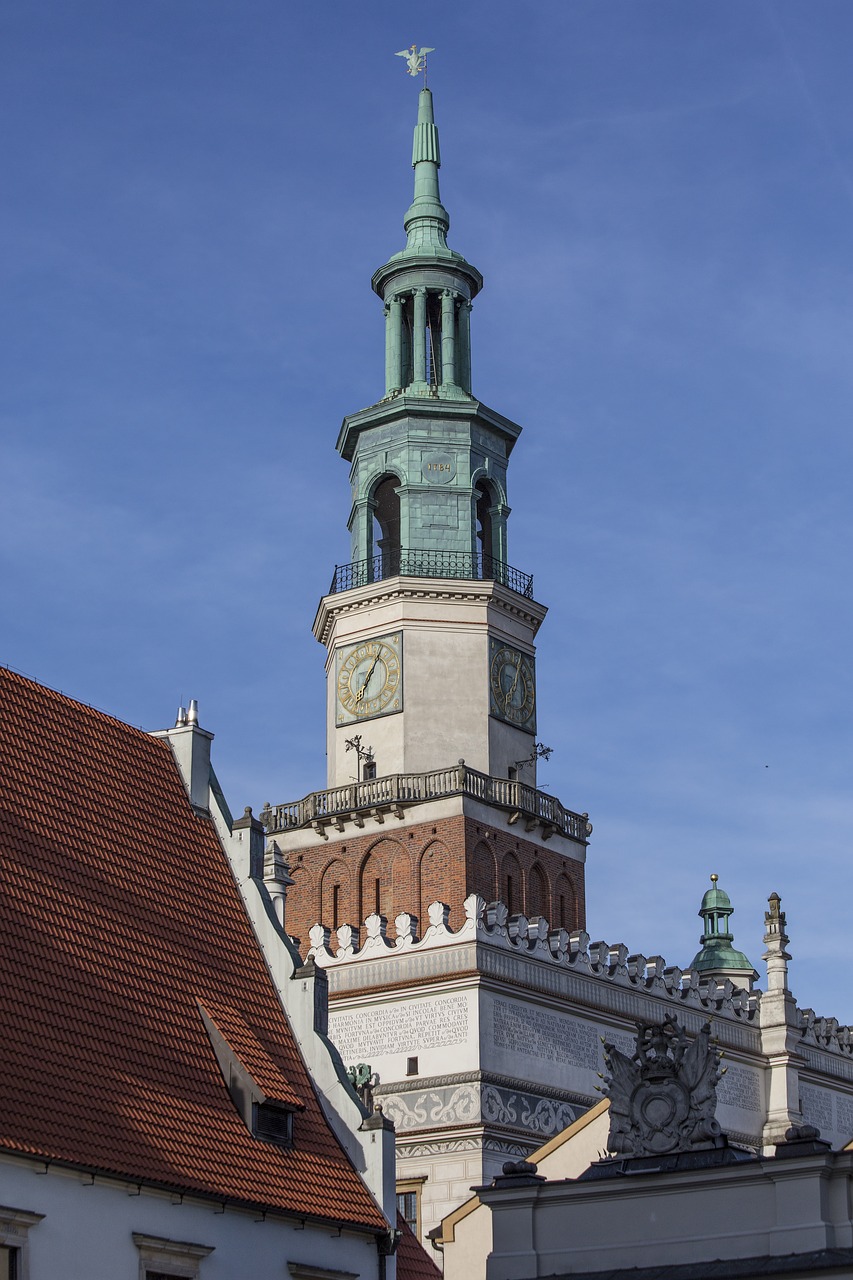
[273, 1122]
[267, 1117]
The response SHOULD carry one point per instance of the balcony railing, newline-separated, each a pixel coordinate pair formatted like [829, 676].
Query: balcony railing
[397, 790]
[470, 565]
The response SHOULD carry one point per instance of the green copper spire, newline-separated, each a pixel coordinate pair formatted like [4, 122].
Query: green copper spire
[427, 287]
[718, 957]
[427, 221]
[429, 460]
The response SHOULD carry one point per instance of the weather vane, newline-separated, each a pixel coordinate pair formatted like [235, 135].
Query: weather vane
[416, 60]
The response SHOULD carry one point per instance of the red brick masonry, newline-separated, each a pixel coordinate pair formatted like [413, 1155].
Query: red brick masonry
[405, 868]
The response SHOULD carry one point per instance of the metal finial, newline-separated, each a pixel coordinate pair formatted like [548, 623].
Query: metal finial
[714, 877]
[416, 60]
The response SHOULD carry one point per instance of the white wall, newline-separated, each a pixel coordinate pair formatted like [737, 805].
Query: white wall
[87, 1231]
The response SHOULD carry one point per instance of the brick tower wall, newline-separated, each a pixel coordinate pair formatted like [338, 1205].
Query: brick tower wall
[407, 868]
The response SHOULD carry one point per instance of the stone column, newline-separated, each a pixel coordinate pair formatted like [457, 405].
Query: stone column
[463, 355]
[419, 337]
[498, 515]
[448, 339]
[393, 346]
[780, 1032]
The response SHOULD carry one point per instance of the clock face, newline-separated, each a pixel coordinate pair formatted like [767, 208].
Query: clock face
[512, 686]
[369, 678]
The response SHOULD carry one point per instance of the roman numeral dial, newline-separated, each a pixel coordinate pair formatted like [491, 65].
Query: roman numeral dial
[512, 686]
[369, 678]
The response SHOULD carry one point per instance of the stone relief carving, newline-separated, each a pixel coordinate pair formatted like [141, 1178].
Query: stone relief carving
[547, 1117]
[663, 1098]
[498, 1107]
[469, 1103]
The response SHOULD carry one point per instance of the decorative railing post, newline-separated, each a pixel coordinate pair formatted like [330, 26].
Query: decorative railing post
[396, 790]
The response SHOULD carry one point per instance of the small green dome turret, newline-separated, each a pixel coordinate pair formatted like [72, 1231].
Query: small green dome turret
[716, 900]
[718, 958]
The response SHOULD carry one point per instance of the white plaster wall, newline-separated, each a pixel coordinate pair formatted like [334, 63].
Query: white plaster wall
[441, 1030]
[87, 1230]
[657, 1220]
[445, 716]
[449, 1174]
[468, 1239]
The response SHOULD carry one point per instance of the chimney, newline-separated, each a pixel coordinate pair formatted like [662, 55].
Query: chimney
[191, 748]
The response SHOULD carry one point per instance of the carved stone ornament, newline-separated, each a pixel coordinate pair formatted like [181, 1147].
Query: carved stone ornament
[663, 1099]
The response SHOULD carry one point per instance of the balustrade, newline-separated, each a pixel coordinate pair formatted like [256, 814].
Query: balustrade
[410, 788]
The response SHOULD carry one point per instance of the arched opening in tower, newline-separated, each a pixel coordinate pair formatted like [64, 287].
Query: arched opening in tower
[485, 533]
[433, 340]
[386, 527]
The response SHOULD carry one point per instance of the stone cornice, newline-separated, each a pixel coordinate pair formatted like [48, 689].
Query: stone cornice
[476, 591]
[407, 406]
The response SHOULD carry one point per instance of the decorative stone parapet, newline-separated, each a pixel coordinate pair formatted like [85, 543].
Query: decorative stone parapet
[492, 925]
[395, 792]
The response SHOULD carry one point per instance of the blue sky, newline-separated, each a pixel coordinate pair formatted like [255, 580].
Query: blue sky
[659, 194]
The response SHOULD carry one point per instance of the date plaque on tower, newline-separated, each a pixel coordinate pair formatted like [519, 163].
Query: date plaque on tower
[369, 678]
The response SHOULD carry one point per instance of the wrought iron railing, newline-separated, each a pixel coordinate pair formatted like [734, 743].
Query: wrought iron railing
[400, 789]
[471, 565]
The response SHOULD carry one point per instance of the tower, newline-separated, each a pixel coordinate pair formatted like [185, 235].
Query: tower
[431, 692]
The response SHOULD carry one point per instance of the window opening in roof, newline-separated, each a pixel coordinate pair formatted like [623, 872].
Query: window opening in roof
[273, 1122]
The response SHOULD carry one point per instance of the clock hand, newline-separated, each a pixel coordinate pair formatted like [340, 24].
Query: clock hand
[360, 694]
[514, 685]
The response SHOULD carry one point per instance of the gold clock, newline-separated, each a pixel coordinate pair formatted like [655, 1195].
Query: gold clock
[512, 686]
[369, 678]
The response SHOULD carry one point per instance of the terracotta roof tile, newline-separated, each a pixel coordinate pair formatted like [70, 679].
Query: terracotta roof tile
[118, 916]
[413, 1262]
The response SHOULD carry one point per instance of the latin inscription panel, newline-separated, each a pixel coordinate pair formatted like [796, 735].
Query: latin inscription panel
[362, 1035]
[740, 1088]
[545, 1035]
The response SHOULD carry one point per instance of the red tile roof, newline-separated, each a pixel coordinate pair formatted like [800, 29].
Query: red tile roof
[118, 916]
[413, 1262]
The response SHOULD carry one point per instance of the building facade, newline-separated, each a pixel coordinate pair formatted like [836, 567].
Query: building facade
[169, 1102]
[438, 888]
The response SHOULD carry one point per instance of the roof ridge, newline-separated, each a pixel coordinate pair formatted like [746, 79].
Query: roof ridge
[69, 698]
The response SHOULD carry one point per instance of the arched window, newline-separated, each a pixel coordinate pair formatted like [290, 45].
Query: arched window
[511, 886]
[484, 502]
[433, 876]
[337, 896]
[483, 872]
[564, 903]
[386, 527]
[385, 881]
[537, 892]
